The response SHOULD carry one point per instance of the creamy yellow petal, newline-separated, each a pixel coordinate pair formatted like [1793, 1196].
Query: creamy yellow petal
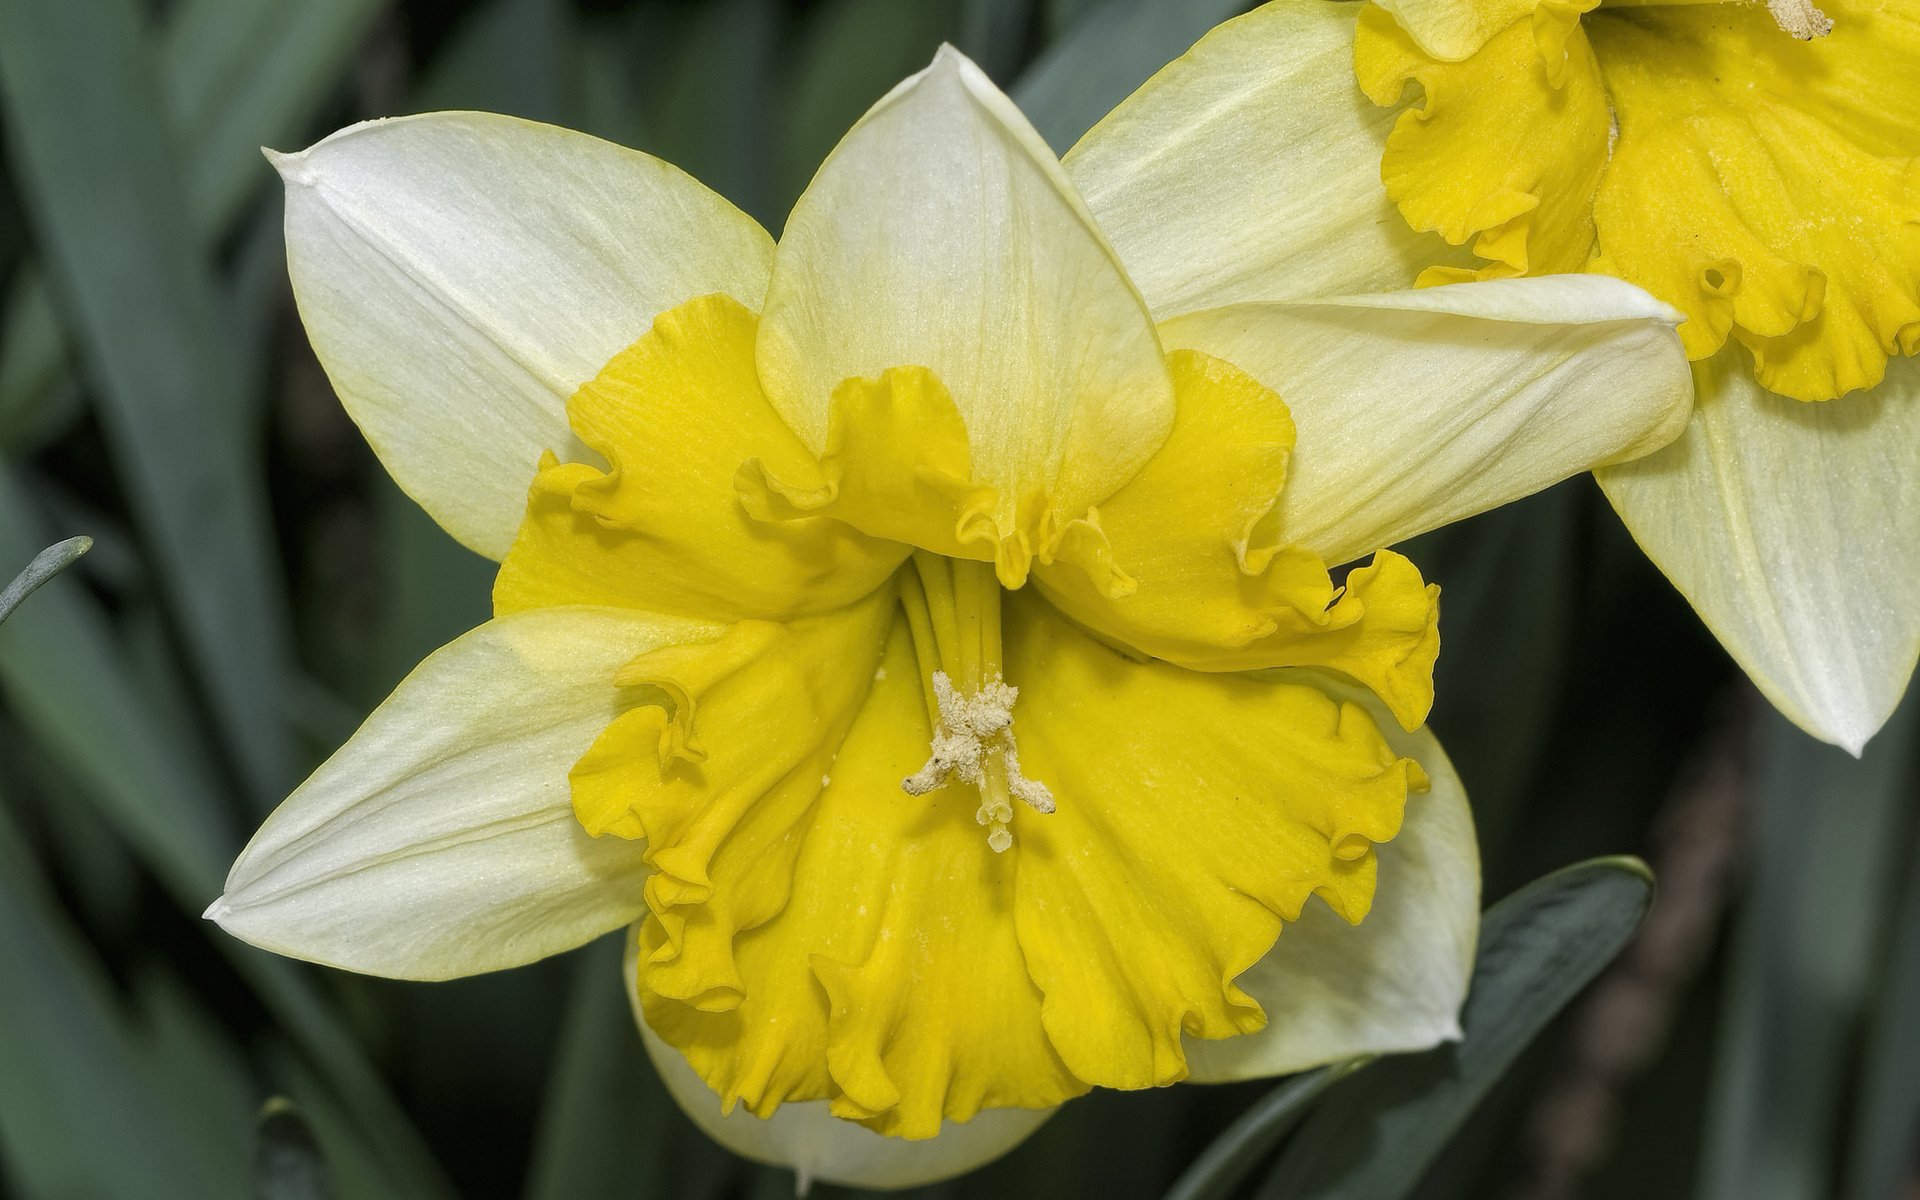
[1419, 408]
[676, 415]
[816, 1145]
[439, 840]
[1196, 813]
[1767, 186]
[1249, 169]
[1452, 29]
[1187, 562]
[1395, 982]
[1794, 530]
[890, 983]
[1505, 148]
[460, 274]
[941, 233]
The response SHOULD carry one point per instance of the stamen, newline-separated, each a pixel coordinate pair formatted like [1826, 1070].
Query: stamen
[973, 740]
[1800, 18]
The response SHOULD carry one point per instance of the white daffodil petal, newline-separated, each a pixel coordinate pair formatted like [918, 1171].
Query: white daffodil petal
[1395, 982]
[460, 274]
[942, 233]
[1794, 530]
[804, 1137]
[1418, 408]
[440, 840]
[1198, 176]
[1452, 30]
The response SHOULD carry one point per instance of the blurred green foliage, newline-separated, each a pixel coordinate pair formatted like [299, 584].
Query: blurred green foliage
[258, 585]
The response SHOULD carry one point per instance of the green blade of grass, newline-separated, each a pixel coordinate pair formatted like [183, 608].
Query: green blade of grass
[45, 565]
[236, 75]
[1803, 963]
[93, 158]
[67, 679]
[79, 1115]
[1885, 1148]
[1231, 1156]
[1375, 1134]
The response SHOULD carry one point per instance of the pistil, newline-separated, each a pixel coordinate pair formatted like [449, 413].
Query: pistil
[953, 608]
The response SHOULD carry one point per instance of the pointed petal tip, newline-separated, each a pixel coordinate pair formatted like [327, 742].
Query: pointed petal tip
[294, 167]
[218, 911]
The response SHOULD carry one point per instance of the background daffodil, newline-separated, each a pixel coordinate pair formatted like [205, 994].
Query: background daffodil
[920, 631]
[1752, 165]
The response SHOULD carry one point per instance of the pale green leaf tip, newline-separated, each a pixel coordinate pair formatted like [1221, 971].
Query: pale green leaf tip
[45, 565]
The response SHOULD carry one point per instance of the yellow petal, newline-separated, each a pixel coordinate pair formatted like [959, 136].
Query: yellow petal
[1195, 814]
[1794, 530]
[1192, 566]
[1249, 169]
[941, 233]
[1506, 148]
[1767, 186]
[890, 983]
[676, 415]
[1394, 983]
[716, 763]
[807, 1138]
[460, 274]
[897, 466]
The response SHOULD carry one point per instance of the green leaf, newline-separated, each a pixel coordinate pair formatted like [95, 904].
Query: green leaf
[45, 565]
[1110, 50]
[288, 1164]
[1819, 894]
[79, 1115]
[1374, 1136]
[1886, 1132]
[1224, 1163]
[236, 75]
[94, 161]
[67, 678]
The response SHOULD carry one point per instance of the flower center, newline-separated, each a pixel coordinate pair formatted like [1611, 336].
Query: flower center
[953, 608]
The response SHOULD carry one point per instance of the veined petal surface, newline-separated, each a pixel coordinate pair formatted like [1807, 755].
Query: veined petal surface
[1794, 530]
[942, 234]
[816, 1145]
[889, 982]
[440, 840]
[1249, 169]
[1769, 186]
[1419, 408]
[1196, 814]
[1392, 984]
[460, 274]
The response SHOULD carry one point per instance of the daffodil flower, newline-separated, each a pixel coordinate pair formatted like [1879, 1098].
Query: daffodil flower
[920, 632]
[1752, 164]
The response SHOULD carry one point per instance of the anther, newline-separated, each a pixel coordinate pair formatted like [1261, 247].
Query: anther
[1800, 18]
[974, 742]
